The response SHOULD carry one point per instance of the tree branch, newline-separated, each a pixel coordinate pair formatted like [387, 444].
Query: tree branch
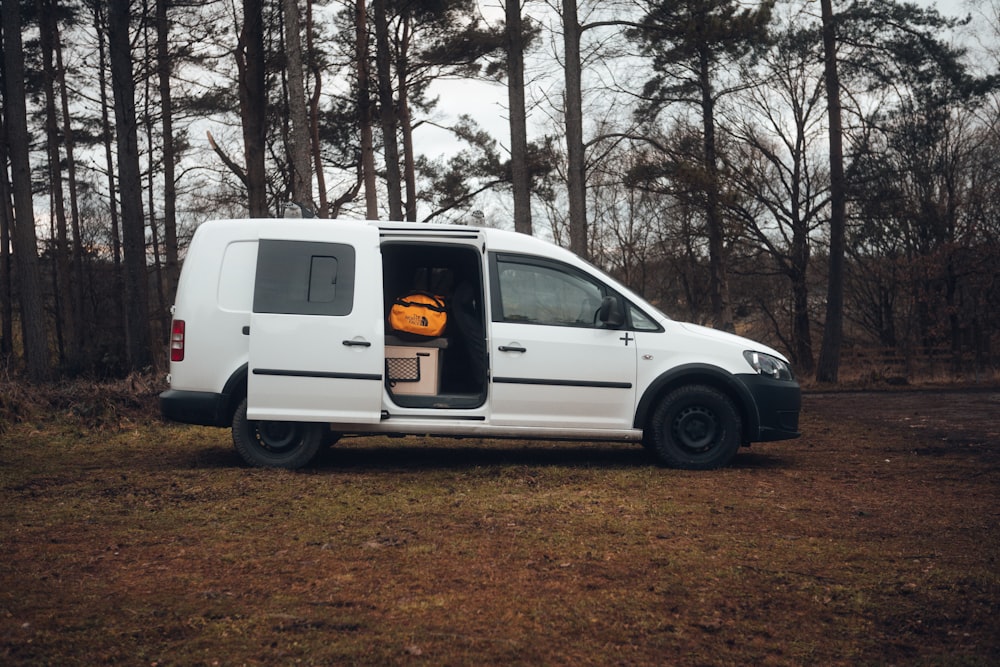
[228, 161]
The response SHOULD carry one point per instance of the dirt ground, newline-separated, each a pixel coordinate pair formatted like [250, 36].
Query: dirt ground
[871, 540]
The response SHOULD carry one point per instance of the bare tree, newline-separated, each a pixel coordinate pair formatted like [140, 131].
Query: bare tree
[164, 65]
[253, 104]
[316, 69]
[783, 187]
[66, 324]
[365, 110]
[576, 183]
[828, 367]
[691, 43]
[298, 149]
[520, 174]
[6, 222]
[36, 352]
[98, 9]
[137, 334]
[387, 110]
[69, 144]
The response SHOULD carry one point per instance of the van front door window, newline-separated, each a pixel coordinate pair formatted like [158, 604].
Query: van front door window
[535, 294]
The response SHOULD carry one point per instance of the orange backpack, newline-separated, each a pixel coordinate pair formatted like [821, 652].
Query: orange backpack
[419, 313]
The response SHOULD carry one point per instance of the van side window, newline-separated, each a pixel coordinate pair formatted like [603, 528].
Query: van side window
[304, 278]
[640, 321]
[545, 293]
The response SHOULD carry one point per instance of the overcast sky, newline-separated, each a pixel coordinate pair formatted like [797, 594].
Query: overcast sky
[947, 7]
[486, 103]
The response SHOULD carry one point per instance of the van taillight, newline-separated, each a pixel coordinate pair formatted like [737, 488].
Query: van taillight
[177, 341]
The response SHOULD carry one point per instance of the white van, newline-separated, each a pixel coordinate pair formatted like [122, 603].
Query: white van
[281, 331]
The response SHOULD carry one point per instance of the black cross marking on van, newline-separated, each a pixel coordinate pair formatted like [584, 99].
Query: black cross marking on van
[627, 338]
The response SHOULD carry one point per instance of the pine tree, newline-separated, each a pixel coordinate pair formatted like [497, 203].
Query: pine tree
[690, 42]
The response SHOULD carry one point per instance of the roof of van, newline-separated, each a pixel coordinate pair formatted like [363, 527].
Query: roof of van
[496, 239]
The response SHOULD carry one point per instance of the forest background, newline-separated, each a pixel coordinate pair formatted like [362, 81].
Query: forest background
[824, 176]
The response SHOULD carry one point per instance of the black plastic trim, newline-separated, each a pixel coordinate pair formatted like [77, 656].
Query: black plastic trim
[458, 233]
[234, 392]
[778, 405]
[318, 374]
[563, 383]
[442, 401]
[192, 407]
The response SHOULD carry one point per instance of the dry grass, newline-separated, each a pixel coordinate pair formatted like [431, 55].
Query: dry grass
[871, 540]
[91, 405]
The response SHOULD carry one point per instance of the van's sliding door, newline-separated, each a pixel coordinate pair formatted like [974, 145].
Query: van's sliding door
[316, 334]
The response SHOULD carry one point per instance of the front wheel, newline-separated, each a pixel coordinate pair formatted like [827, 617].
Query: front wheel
[275, 444]
[695, 427]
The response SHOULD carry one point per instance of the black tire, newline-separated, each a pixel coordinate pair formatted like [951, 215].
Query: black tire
[276, 444]
[695, 427]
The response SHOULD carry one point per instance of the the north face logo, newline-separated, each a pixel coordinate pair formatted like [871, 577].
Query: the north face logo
[417, 321]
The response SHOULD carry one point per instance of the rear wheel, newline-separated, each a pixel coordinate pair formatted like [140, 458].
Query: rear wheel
[695, 427]
[276, 444]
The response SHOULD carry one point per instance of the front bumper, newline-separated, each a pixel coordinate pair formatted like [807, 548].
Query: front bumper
[778, 405]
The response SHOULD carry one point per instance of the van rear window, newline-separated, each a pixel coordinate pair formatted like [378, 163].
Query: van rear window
[304, 278]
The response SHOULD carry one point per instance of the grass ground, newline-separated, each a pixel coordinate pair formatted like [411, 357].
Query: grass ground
[871, 540]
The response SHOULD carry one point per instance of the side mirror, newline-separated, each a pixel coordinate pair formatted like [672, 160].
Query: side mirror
[610, 313]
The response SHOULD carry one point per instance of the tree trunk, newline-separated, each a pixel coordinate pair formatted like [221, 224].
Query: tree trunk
[367, 167]
[314, 101]
[69, 349]
[801, 334]
[798, 275]
[298, 149]
[253, 103]
[520, 175]
[100, 29]
[387, 111]
[828, 365]
[133, 230]
[160, 310]
[575, 154]
[718, 284]
[163, 69]
[6, 290]
[405, 126]
[79, 313]
[365, 113]
[36, 351]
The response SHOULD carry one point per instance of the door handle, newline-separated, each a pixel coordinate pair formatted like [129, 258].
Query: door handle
[512, 348]
[357, 343]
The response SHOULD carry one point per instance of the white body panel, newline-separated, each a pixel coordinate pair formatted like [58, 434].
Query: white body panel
[568, 382]
[318, 367]
[585, 377]
[214, 298]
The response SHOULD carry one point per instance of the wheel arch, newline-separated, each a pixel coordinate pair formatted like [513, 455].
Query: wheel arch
[233, 392]
[704, 374]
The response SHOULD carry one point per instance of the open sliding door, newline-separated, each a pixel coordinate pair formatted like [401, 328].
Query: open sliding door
[316, 333]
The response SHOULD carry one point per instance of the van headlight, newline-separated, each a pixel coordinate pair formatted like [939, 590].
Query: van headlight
[768, 365]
